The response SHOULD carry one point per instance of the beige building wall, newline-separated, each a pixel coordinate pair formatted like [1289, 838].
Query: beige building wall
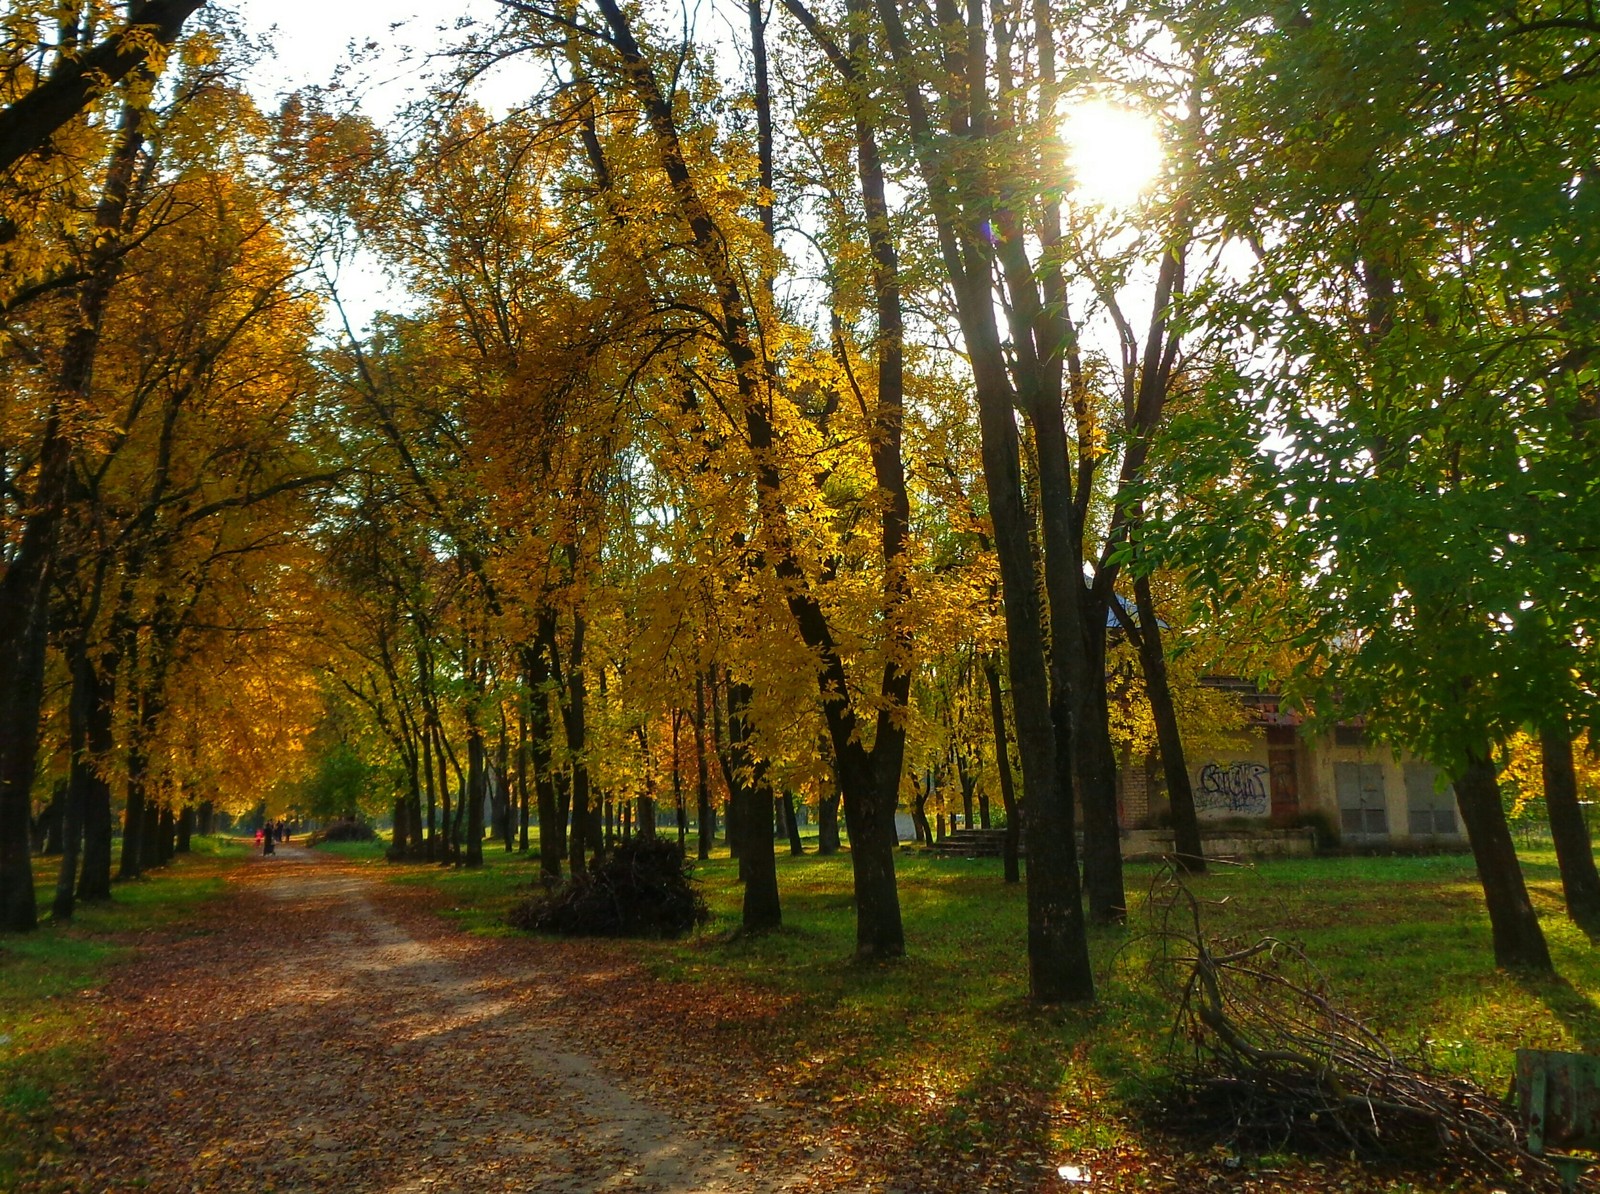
[1233, 781]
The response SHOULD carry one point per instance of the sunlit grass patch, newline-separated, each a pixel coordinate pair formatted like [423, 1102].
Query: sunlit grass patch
[944, 1051]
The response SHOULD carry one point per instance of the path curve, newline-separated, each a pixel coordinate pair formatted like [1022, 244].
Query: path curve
[325, 1040]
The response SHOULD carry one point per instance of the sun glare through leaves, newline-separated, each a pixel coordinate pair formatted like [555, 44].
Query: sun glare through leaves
[1113, 152]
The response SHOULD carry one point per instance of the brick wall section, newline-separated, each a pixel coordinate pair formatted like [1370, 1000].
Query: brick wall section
[1133, 790]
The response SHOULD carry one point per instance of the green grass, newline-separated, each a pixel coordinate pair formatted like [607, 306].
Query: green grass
[48, 979]
[371, 851]
[925, 1042]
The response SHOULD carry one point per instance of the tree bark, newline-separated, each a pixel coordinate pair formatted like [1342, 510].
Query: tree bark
[27, 125]
[24, 587]
[1518, 940]
[536, 676]
[523, 763]
[705, 815]
[397, 845]
[81, 775]
[50, 824]
[1188, 852]
[791, 824]
[166, 833]
[574, 714]
[1012, 846]
[150, 835]
[477, 791]
[1580, 882]
[747, 779]
[828, 823]
[431, 849]
[186, 828]
[919, 812]
[1058, 948]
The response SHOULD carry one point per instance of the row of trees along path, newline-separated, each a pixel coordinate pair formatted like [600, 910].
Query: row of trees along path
[834, 433]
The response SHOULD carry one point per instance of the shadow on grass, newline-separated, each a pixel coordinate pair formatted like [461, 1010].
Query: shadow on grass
[1003, 1118]
[1575, 1010]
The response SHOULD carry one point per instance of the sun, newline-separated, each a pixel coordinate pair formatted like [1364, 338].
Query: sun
[1113, 152]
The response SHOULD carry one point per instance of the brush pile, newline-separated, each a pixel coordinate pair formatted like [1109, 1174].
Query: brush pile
[1264, 1059]
[641, 889]
[344, 830]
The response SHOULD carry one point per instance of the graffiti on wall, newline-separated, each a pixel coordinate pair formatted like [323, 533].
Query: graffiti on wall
[1233, 790]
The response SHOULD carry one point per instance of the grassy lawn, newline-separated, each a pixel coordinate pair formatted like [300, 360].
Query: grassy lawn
[49, 980]
[929, 1048]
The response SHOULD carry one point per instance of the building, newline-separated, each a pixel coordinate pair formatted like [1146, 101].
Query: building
[1359, 791]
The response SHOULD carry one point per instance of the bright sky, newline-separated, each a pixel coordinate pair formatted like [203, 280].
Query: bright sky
[314, 37]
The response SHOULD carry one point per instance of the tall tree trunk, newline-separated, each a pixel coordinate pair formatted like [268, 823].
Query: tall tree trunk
[1058, 949]
[791, 823]
[1188, 852]
[1518, 940]
[679, 804]
[397, 846]
[731, 815]
[24, 588]
[166, 833]
[747, 778]
[51, 823]
[447, 842]
[1095, 765]
[82, 775]
[477, 792]
[705, 816]
[505, 807]
[563, 785]
[645, 803]
[536, 675]
[149, 833]
[431, 849]
[206, 824]
[1579, 880]
[968, 780]
[71, 846]
[574, 713]
[524, 761]
[1012, 846]
[132, 860]
[919, 811]
[186, 828]
[828, 823]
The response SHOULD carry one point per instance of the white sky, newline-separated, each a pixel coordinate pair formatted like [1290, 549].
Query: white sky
[314, 37]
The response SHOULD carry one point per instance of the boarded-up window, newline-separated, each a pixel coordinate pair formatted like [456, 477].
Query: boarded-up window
[1363, 811]
[1430, 812]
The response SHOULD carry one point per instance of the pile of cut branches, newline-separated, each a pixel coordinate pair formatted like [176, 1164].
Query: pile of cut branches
[1262, 1057]
[343, 830]
[642, 889]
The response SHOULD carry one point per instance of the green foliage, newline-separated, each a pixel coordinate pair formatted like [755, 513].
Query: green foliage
[1398, 484]
[339, 784]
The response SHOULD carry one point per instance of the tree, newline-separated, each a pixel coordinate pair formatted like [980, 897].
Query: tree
[1417, 293]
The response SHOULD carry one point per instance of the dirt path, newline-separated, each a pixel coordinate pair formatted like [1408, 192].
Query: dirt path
[329, 1037]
